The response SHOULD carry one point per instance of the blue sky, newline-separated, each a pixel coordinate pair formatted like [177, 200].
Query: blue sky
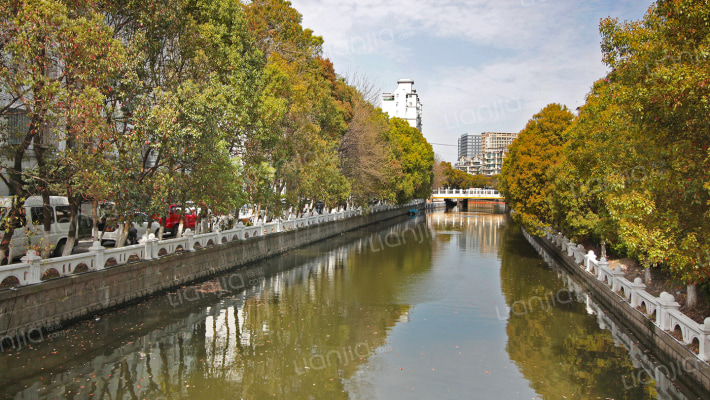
[477, 65]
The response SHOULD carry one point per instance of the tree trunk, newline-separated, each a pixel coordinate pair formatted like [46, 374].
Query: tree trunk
[5, 250]
[73, 225]
[47, 227]
[647, 275]
[121, 234]
[181, 225]
[161, 231]
[12, 220]
[204, 223]
[691, 300]
[95, 220]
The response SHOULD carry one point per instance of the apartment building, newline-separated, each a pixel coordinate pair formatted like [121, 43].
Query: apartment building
[470, 145]
[483, 153]
[494, 147]
[404, 103]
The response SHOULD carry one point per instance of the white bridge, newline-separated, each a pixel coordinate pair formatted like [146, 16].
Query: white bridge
[473, 193]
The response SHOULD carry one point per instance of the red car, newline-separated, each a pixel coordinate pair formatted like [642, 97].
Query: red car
[173, 221]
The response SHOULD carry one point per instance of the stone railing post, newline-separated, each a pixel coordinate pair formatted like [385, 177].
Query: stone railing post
[190, 236]
[579, 254]
[99, 258]
[601, 264]
[666, 303]
[149, 243]
[570, 248]
[704, 352]
[31, 258]
[637, 286]
[589, 259]
[616, 273]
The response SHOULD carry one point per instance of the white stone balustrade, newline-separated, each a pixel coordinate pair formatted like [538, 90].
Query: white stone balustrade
[32, 267]
[667, 314]
[579, 254]
[570, 247]
[288, 225]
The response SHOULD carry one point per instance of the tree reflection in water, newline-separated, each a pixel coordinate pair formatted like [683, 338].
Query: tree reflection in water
[311, 318]
[560, 349]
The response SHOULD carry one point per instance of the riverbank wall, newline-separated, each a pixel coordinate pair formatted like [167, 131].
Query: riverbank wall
[435, 205]
[678, 359]
[28, 310]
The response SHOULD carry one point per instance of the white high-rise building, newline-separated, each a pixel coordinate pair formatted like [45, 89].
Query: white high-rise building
[404, 103]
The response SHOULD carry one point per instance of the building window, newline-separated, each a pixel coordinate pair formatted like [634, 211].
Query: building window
[17, 125]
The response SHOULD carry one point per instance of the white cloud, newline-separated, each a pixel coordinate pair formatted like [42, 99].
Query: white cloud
[478, 65]
[506, 23]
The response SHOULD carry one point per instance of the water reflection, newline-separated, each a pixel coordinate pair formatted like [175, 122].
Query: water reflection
[557, 346]
[451, 305]
[660, 380]
[475, 231]
[294, 333]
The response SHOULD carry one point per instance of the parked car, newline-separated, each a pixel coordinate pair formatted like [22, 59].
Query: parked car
[173, 220]
[138, 228]
[29, 229]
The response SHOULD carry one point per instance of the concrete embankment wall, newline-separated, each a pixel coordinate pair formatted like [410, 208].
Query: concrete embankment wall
[680, 361]
[58, 301]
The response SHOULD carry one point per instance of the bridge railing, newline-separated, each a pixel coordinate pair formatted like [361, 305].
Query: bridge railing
[473, 192]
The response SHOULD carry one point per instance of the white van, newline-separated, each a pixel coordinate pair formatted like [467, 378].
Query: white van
[32, 224]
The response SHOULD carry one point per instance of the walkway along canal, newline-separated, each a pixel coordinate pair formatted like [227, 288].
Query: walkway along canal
[92, 282]
[444, 305]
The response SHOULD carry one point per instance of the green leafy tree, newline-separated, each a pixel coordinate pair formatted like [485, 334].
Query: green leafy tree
[57, 66]
[194, 103]
[660, 66]
[367, 161]
[415, 157]
[604, 158]
[308, 111]
[524, 179]
[457, 179]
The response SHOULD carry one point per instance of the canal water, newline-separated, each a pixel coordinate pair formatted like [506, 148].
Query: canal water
[444, 305]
